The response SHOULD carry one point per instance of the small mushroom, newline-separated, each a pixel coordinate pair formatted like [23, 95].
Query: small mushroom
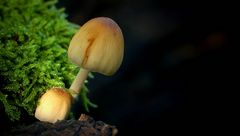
[97, 47]
[54, 105]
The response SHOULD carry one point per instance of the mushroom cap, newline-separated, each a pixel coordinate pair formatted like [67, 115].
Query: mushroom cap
[98, 46]
[54, 105]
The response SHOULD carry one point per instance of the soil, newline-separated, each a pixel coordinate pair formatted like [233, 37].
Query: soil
[85, 126]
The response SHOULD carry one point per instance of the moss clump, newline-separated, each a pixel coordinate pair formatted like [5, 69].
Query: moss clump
[34, 37]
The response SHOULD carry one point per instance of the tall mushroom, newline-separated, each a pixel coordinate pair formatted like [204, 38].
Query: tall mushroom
[98, 47]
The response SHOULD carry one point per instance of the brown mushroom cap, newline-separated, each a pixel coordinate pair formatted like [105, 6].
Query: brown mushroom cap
[54, 105]
[98, 46]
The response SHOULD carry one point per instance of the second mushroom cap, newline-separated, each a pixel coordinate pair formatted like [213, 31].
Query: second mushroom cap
[98, 46]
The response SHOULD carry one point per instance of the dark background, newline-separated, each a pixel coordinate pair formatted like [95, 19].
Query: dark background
[178, 69]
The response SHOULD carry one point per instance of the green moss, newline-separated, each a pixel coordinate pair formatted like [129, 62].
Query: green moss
[34, 37]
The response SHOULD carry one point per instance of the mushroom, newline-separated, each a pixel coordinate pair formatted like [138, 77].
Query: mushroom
[54, 105]
[97, 47]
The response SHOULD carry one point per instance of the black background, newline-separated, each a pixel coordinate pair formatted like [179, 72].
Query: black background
[179, 70]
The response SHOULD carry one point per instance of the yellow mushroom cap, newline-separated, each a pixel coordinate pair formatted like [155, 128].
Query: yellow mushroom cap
[53, 105]
[98, 46]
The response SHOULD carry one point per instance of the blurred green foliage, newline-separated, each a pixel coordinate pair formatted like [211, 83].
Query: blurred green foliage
[34, 37]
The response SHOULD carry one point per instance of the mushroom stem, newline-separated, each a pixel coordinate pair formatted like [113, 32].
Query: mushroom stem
[79, 81]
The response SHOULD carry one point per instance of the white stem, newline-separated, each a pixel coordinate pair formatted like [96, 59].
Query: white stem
[79, 81]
